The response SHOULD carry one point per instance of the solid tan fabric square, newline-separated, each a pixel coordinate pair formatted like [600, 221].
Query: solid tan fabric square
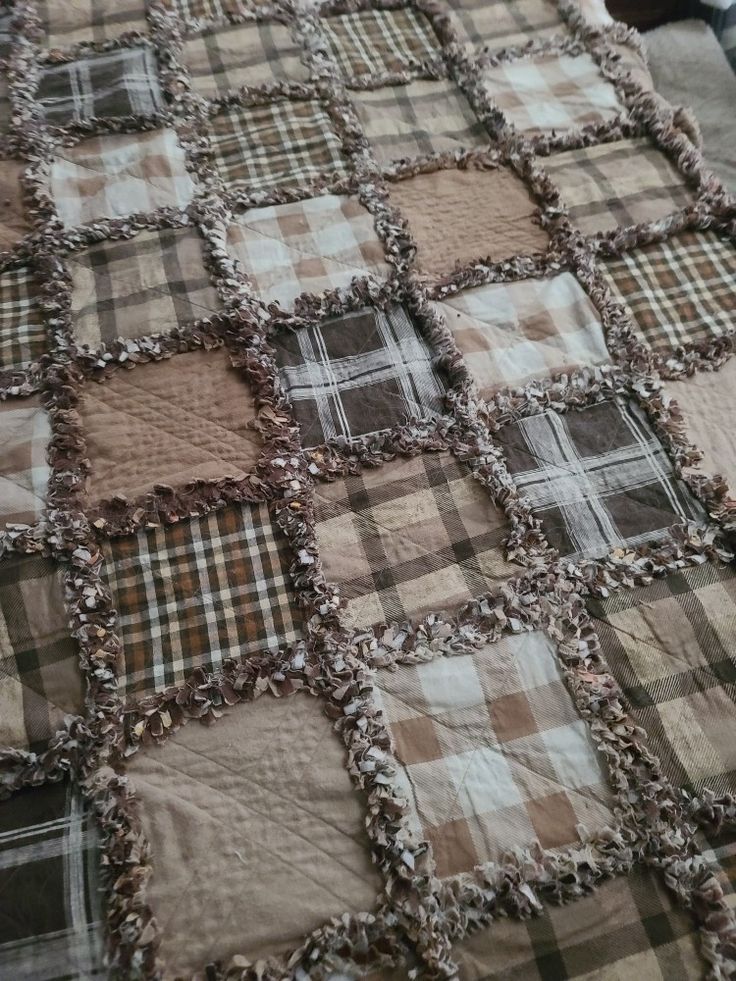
[13, 223]
[168, 422]
[256, 833]
[458, 216]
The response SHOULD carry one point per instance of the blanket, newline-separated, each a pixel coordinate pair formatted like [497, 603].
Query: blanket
[367, 598]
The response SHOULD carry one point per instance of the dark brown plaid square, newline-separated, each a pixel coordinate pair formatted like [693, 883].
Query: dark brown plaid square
[22, 330]
[372, 41]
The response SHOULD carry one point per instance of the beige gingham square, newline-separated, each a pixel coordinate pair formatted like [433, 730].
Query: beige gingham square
[496, 24]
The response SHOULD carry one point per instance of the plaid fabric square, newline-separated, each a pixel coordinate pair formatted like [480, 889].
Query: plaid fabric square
[423, 117]
[493, 752]
[115, 176]
[372, 41]
[597, 477]
[121, 83]
[22, 330]
[617, 184]
[13, 221]
[6, 37]
[678, 292]
[284, 143]
[499, 24]
[73, 21]
[24, 470]
[51, 920]
[671, 646]
[198, 592]
[5, 111]
[136, 287]
[195, 13]
[415, 536]
[224, 59]
[552, 93]
[40, 680]
[307, 246]
[359, 373]
[510, 333]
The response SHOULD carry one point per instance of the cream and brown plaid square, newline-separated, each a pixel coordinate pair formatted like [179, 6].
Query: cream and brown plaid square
[136, 287]
[492, 752]
[309, 246]
[368, 42]
[118, 175]
[510, 333]
[497, 24]
[22, 329]
[415, 536]
[24, 469]
[73, 21]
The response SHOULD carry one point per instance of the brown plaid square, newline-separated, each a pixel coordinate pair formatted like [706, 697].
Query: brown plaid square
[671, 647]
[617, 184]
[423, 117]
[197, 14]
[363, 372]
[492, 752]
[307, 246]
[5, 111]
[368, 42]
[115, 176]
[73, 21]
[198, 592]
[136, 287]
[415, 536]
[512, 332]
[223, 59]
[22, 330]
[499, 24]
[283, 143]
[40, 680]
[24, 470]
[13, 221]
[551, 93]
[678, 292]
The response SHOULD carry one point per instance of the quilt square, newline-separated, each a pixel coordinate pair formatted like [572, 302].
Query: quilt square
[223, 59]
[197, 13]
[511, 332]
[551, 93]
[492, 752]
[40, 680]
[678, 292]
[123, 82]
[497, 24]
[617, 184]
[140, 286]
[423, 117]
[24, 469]
[597, 477]
[119, 175]
[170, 422]
[671, 646]
[416, 536]
[5, 110]
[51, 920]
[283, 143]
[475, 216]
[22, 329]
[307, 246]
[13, 221]
[74, 21]
[362, 372]
[369, 42]
[193, 594]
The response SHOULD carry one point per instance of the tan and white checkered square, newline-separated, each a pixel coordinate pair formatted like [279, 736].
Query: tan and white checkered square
[497, 24]
[492, 752]
[73, 21]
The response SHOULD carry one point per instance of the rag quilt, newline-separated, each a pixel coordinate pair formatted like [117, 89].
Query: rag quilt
[367, 587]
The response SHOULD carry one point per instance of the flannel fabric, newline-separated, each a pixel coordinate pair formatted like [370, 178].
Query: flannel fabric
[671, 648]
[597, 477]
[372, 41]
[5, 34]
[413, 536]
[615, 184]
[51, 922]
[493, 751]
[198, 592]
[283, 143]
[115, 176]
[123, 82]
[362, 372]
[498, 24]
[136, 287]
[307, 246]
[223, 59]
[13, 221]
[511, 332]
[40, 681]
[22, 330]
[678, 292]
[423, 117]
[5, 112]
[551, 93]
[73, 21]
[24, 471]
